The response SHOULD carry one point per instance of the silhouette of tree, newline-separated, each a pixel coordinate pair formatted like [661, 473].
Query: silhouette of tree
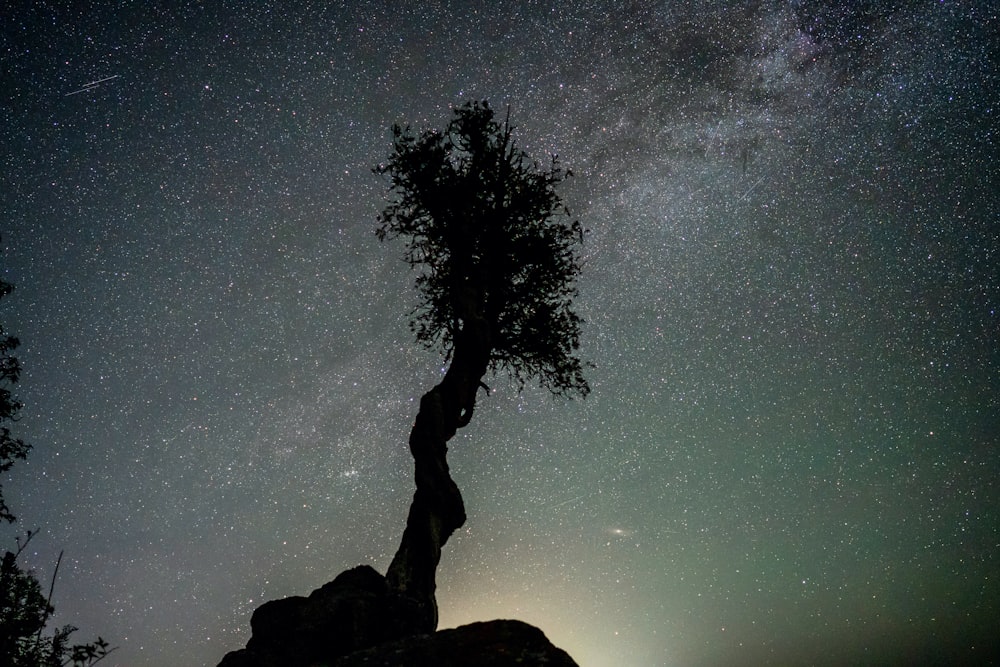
[24, 611]
[11, 448]
[496, 250]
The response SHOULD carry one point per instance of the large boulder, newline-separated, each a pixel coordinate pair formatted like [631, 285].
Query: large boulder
[354, 611]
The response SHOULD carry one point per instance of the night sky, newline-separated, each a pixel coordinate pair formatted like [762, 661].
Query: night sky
[791, 292]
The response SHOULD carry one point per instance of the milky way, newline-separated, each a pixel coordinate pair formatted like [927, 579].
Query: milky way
[790, 287]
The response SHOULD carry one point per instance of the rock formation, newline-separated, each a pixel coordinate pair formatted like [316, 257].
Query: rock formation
[490, 644]
[354, 611]
[357, 619]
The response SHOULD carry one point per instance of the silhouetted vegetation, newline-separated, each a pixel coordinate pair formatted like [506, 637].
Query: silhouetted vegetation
[496, 254]
[494, 241]
[11, 448]
[496, 251]
[24, 614]
[24, 610]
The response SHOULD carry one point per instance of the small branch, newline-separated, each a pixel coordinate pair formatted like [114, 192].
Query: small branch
[94, 661]
[55, 573]
[48, 601]
[22, 547]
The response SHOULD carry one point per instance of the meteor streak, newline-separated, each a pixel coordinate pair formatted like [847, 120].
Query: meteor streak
[92, 85]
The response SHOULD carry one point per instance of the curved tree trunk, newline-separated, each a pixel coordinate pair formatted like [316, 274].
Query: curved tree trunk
[437, 509]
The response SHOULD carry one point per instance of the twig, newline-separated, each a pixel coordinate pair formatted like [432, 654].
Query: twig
[48, 601]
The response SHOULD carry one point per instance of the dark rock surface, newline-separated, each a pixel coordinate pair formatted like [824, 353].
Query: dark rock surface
[354, 611]
[488, 644]
[357, 620]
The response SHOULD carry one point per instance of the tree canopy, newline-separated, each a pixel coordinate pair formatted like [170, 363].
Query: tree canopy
[493, 241]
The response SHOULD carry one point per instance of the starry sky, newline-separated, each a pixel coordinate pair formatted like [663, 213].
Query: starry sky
[791, 293]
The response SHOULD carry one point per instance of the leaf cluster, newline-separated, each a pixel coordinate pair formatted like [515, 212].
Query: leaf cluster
[11, 448]
[493, 240]
[24, 613]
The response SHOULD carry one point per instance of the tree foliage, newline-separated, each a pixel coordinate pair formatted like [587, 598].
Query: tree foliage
[493, 240]
[11, 448]
[24, 611]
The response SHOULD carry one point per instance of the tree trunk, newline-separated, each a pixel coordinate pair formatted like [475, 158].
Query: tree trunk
[437, 509]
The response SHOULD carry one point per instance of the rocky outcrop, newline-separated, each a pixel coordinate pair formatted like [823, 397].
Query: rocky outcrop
[353, 612]
[357, 620]
[489, 644]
